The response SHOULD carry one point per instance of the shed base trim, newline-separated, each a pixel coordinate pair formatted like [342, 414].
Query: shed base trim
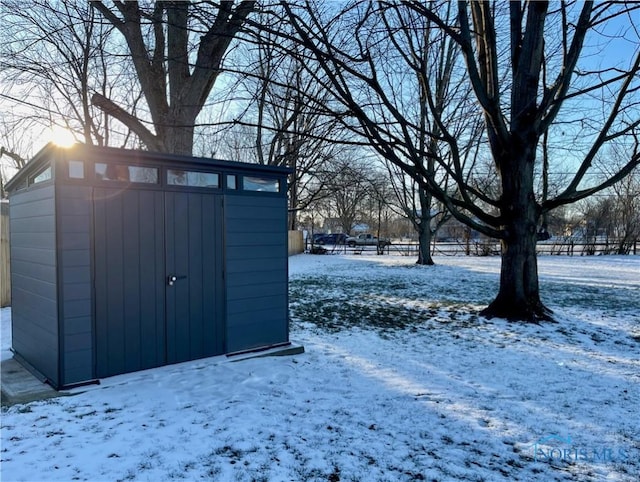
[258, 349]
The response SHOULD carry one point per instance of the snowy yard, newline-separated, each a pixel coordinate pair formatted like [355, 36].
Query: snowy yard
[401, 380]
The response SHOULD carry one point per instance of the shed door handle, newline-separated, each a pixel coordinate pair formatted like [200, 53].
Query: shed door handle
[171, 279]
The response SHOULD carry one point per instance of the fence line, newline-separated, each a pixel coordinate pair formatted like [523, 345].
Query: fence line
[479, 248]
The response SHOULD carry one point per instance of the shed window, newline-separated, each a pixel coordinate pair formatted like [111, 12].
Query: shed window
[263, 184]
[176, 177]
[232, 181]
[44, 175]
[76, 170]
[120, 172]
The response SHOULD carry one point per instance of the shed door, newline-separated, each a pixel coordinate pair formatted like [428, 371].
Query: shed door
[194, 284]
[129, 272]
[143, 239]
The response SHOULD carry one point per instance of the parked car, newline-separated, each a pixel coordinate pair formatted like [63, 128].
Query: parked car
[333, 238]
[367, 240]
[316, 237]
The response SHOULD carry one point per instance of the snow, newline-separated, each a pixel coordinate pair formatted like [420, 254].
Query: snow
[401, 380]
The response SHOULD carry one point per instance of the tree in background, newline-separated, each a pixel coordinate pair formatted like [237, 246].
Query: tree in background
[55, 56]
[624, 201]
[398, 78]
[530, 71]
[177, 49]
[346, 189]
[276, 124]
[16, 162]
[627, 213]
[613, 217]
[416, 205]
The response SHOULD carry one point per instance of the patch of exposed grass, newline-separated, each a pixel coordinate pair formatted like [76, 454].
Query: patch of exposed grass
[336, 303]
[406, 297]
[605, 298]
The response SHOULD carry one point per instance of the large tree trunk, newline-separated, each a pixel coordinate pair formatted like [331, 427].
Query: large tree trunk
[424, 244]
[179, 134]
[424, 226]
[519, 294]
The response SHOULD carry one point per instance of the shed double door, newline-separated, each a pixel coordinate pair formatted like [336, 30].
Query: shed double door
[158, 278]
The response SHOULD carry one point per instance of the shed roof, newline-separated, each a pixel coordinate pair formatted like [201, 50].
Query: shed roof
[80, 151]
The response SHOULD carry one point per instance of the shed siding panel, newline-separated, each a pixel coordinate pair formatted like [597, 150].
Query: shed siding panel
[38, 271]
[76, 326]
[29, 343]
[77, 292]
[257, 317]
[36, 286]
[247, 291]
[266, 303]
[256, 265]
[253, 333]
[240, 252]
[74, 227]
[33, 203]
[256, 271]
[257, 278]
[248, 242]
[21, 253]
[40, 311]
[260, 224]
[83, 372]
[74, 224]
[34, 241]
[36, 224]
[129, 280]
[33, 278]
[76, 257]
[77, 368]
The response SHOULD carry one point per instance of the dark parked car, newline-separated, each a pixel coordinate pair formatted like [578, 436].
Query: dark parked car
[316, 237]
[334, 238]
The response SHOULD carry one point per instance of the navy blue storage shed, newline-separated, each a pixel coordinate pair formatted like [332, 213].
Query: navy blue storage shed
[125, 260]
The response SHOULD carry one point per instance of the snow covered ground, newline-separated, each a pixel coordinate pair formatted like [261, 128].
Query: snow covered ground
[401, 380]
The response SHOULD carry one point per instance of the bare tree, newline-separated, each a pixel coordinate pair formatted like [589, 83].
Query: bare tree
[177, 49]
[290, 111]
[626, 200]
[411, 73]
[284, 128]
[433, 59]
[55, 56]
[16, 162]
[346, 189]
[523, 92]
[425, 214]
[627, 213]
[615, 214]
[13, 144]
